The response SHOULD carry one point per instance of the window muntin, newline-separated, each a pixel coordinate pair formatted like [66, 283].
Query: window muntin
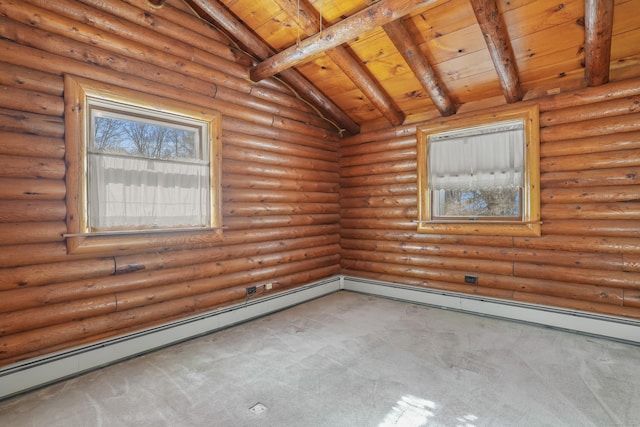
[177, 183]
[480, 174]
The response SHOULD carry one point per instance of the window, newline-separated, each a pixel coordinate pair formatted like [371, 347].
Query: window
[143, 171]
[480, 175]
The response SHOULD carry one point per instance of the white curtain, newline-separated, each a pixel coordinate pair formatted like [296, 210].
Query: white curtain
[136, 193]
[478, 158]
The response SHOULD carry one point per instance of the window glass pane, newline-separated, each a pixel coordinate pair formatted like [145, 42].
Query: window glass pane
[143, 137]
[479, 203]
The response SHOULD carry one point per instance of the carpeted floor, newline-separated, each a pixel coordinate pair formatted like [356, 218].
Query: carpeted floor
[354, 360]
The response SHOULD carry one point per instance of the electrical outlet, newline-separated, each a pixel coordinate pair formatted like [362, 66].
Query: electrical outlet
[251, 290]
[268, 286]
[468, 278]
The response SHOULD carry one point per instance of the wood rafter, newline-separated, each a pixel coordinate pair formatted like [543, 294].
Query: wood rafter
[598, 21]
[410, 51]
[348, 29]
[504, 60]
[257, 47]
[310, 22]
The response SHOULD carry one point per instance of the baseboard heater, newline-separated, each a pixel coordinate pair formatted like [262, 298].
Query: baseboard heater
[29, 374]
[610, 327]
[26, 375]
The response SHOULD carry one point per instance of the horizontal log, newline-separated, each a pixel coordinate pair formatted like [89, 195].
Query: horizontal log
[234, 237]
[251, 209]
[631, 298]
[397, 224]
[177, 24]
[31, 123]
[236, 181]
[142, 297]
[401, 143]
[379, 168]
[276, 171]
[38, 317]
[433, 239]
[32, 210]
[591, 95]
[595, 127]
[540, 286]
[613, 228]
[631, 262]
[380, 190]
[43, 339]
[156, 261]
[279, 147]
[585, 259]
[588, 306]
[239, 223]
[31, 167]
[593, 144]
[31, 102]
[32, 189]
[611, 245]
[624, 211]
[610, 159]
[29, 254]
[374, 158]
[279, 196]
[123, 73]
[427, 274]
[584, 292]
[378, 202]
[408, 176]
[92, 42]
[609, 194]
[590, 178]
[616, 279]
[258, 267]
[106, 27]
[325, 141]
[30, 79]
[432, 284]
[397, 212]
[20, 144]
[20, 233]
[59, 272]
[229, 151]
[436, 262]
[29, 344]
[596, 110]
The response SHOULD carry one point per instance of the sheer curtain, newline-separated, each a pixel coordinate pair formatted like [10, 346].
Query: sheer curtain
[478, 158]
[137, 193]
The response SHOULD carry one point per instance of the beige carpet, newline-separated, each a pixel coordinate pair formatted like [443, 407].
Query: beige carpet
[354, 360]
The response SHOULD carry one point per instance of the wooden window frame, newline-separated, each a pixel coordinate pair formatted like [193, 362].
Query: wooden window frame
[529, 225]
[79, 238]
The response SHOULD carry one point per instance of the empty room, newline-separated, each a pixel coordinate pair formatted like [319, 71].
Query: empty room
[320, 213]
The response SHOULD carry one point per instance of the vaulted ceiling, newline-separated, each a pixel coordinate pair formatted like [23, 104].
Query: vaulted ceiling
[369, 64]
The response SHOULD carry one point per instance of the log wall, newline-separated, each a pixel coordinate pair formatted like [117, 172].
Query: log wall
[588, 257]
[280, 175]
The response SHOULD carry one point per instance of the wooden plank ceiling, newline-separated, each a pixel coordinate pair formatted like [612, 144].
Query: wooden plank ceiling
[367, 64]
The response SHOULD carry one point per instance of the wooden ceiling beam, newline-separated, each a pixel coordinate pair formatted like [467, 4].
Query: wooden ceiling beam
[497, 39]
[598, 23]
[350, 28]
[311, 22]
[419, 64]
[259, 48]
